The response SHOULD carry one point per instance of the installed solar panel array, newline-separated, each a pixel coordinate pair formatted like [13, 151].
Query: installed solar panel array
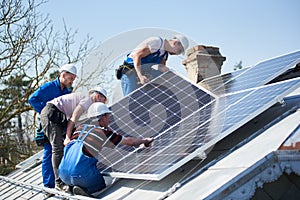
[255, 76]
[186, 120]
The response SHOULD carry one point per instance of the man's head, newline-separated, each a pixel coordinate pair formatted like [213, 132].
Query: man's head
[180, 44]
[68, 73]
[99, 112]
[98, 94]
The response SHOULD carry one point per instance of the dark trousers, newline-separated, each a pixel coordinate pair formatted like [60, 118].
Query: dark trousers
[54, 125]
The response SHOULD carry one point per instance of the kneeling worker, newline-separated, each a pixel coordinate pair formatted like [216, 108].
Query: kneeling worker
[78, 166]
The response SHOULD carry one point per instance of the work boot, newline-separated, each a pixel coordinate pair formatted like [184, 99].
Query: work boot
[61, 187]
[80, 191]
[48, 195]
[69, 189]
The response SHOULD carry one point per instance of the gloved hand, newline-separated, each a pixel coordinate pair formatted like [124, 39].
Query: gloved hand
[40, 138]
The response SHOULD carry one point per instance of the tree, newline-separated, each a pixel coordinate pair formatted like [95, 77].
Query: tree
[30, 49]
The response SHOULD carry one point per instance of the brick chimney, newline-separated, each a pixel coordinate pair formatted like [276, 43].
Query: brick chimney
[203, 62]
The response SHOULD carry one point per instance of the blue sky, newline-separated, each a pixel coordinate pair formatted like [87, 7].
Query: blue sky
[247, 31]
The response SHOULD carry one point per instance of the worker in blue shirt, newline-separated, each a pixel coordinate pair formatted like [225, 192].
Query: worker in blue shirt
[38, 100]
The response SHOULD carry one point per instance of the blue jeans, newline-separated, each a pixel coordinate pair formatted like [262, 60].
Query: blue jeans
[129, 81]
[47, 170]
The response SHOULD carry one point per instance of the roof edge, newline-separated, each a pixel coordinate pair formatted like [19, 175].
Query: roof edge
[267, 170]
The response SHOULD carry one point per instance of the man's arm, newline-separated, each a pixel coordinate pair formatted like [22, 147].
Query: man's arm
[163, 61]
[36, 101]
[78, 111]
[132, 141]
[137, 60]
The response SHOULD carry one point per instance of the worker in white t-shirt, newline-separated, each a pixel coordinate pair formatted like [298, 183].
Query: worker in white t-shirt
[148, 60]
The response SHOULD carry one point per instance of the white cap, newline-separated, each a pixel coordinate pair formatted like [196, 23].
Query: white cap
[97, 109]
[184, 42]
[99, 90]
[71, 68]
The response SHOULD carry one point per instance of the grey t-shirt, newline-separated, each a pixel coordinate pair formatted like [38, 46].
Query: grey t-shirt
[67, 103]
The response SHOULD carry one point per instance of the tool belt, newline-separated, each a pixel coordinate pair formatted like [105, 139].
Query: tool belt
[125, 68]
[56, 116]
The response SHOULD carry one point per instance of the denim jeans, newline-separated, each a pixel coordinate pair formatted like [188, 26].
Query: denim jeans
[129, 81]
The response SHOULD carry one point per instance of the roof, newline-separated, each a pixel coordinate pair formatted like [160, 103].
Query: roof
[235, 167]
[239, 177]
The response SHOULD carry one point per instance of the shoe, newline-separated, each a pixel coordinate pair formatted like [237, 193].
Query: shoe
[69, 189]
[80, 191]
[61, 187]
[48, 195]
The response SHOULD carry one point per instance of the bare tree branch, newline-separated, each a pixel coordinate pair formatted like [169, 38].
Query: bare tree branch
[30, 49]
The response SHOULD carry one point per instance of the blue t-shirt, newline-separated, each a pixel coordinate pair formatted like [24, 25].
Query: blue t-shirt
[45, 93]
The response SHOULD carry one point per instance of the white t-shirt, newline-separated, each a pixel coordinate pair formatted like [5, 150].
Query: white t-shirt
[67, 103]
[153, 43]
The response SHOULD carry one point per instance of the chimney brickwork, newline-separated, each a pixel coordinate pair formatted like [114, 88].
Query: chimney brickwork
[203, 62]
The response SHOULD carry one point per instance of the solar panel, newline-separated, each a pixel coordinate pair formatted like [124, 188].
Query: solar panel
[183, 127]
[153, 110]
[243, 105]
[158, 105]
[255, 76]
[219, 84]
